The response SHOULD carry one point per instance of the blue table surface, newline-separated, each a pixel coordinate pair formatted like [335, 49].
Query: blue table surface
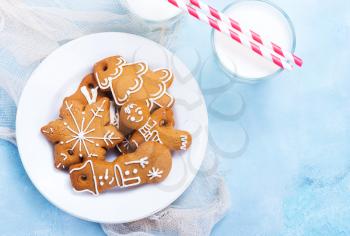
[293, 176]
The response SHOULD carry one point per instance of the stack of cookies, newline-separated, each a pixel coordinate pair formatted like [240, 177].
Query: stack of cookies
[122, 107]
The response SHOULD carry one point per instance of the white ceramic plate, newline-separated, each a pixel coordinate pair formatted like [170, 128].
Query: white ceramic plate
[58, 76]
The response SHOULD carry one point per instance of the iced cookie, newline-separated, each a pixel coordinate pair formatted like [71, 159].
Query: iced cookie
[131, 82]
[82, 132]
[88, 92]
[158, 127]
[151, 163]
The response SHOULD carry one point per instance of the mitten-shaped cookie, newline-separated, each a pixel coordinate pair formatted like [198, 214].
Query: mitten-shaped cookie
[88, 92]
[82, 132]
[131, 82]
[151, 163]
[158, 127]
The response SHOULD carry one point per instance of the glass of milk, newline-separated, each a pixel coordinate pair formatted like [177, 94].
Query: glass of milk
[153, 11]
[270, 22]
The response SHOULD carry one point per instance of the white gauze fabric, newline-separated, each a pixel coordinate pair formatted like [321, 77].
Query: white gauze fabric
[29, 32]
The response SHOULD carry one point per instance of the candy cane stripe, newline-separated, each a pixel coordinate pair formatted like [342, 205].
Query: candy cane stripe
[174, 2]
[277, 61]
[195, 3]
[214, 24]
[256, 37]
[214, 13]
[192, 12]
[256, 49]
[235, 36]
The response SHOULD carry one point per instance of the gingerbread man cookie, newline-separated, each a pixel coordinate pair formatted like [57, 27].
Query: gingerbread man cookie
[131, 82]
[158, 127]
[82, 132]
[151, 163]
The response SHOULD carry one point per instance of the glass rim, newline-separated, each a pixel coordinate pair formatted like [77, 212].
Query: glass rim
[263, 78]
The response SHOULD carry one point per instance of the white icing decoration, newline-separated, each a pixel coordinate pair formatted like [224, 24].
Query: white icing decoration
[100, 177]
[107, 81]
[90, 99]
[160, 92]
[127, 172]
[149, 104]
[167, 75]
[113, 115]
[79, 134]
[125, 181]
[138, 110]
[148, 132]
[128, 108]
[110, 182]
[48, 132]
[154, 173]
[169, 104]
[136, 144]
[106, 174]
[64, 158]
[93, 174]
[102, 183]
[142, 161]
[119, 149]
[183, 142]
[126, 144]
[61, 142]
[134, 171]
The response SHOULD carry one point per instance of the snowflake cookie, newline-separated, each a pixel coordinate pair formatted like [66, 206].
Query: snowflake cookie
[158, 127]
[82, 132]
[151, 163]
[130, 82]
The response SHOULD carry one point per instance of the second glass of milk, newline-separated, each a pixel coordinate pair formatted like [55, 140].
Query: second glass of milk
[270, 22]
[157, 20]
[153, 11]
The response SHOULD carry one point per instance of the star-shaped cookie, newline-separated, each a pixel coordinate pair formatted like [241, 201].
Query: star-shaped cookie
[83, 131]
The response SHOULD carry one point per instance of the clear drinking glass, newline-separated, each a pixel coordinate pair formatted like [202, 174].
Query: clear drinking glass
[241, 63]
[154, 13]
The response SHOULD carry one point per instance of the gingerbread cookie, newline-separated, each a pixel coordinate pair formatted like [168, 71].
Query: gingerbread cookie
[151, 163]
[82, 132]
[158, 127]
[88, 92]
[131, 82]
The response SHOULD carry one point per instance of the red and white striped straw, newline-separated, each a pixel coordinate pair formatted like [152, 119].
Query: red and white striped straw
[250, 33]
[237, 36]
